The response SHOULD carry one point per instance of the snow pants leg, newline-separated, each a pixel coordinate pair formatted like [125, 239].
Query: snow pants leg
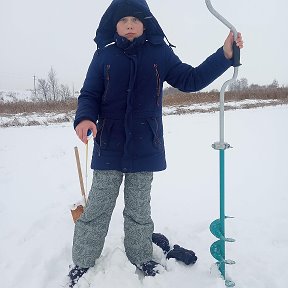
[138, 225]
[92, 227]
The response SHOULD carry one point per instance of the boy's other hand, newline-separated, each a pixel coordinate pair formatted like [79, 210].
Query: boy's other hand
[82, 130]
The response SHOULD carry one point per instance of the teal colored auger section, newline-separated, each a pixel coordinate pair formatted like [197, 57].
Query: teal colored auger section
[217, 227]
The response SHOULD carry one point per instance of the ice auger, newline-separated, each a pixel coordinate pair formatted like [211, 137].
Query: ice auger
[217, 227]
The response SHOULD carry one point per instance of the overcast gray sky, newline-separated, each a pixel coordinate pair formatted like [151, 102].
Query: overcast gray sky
[36, 35]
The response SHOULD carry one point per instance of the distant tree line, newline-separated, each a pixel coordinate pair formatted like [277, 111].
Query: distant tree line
[50, 90]
[242, 85]
[52, 97]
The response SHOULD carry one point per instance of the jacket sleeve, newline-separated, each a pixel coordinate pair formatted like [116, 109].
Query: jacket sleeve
[190, 79]
[89, 100]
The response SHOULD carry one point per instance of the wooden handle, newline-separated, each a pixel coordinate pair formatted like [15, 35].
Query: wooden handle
[80, 174]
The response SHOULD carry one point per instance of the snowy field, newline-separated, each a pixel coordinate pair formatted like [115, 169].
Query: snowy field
[39, 182]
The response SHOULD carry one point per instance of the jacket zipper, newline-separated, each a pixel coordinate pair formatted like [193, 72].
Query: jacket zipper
[107, 77]
[157, 84]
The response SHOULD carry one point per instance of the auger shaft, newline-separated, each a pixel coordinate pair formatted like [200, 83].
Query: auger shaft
[222, 208]
[217, 227]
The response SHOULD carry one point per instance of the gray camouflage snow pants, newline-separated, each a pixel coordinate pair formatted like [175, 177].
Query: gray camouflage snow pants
[92, 227]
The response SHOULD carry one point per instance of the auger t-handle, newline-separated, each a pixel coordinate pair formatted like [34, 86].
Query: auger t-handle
[236, 49]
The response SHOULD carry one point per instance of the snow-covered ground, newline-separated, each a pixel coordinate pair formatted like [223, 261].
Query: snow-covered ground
[39, 182]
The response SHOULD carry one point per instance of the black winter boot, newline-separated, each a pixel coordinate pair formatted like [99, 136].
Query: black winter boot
[149, 268]
[75, 274]
[182, 254]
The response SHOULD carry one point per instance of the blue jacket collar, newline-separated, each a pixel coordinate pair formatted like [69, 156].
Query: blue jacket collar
[127, 45]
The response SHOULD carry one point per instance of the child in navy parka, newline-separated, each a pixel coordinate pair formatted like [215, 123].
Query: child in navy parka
[121, 103]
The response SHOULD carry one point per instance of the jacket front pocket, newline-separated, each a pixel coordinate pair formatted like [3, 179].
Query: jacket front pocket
[156, 129]
[148, 139]
[110, 138]
[99, 135]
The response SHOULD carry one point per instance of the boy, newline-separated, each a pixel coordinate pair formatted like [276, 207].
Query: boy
[121, 103]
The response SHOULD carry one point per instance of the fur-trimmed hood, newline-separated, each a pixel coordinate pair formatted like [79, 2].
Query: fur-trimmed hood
[140, 9]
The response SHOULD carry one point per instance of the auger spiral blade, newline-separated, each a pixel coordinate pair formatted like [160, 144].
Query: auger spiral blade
[217, 251]
[215, 229]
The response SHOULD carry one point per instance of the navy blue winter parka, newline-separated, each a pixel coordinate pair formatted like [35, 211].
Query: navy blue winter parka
[122, 94]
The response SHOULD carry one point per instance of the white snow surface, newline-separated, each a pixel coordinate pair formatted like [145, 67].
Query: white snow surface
[39, 183]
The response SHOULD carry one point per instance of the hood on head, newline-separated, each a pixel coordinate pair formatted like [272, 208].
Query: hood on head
[121, 8]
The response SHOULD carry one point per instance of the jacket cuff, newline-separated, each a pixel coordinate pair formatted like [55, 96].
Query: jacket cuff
[221, 52]
[78, 120]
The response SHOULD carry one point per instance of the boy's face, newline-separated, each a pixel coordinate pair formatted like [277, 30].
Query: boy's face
[130, 27]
